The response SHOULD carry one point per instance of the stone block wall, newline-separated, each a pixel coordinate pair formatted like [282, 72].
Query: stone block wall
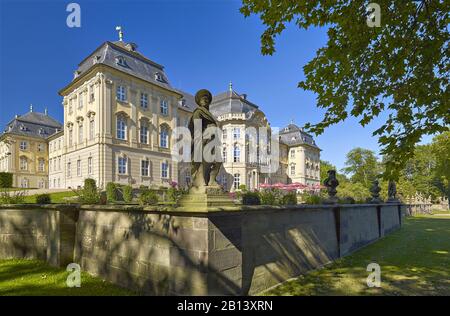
[238, 251]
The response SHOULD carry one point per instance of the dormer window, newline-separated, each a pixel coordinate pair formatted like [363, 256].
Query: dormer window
[120, 60]
[158, 77]
[183, 103]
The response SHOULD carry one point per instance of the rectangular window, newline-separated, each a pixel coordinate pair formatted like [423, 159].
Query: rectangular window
[80, 100]
[164, 107]
[54, 164]
[236, 133]
[70, 137]
[23, 145]
[164, 170]
[121, 128]
[122, 164]
[292, 170]
[80, 133]
[144, 135]
[59, 144]
[91, 129]
[79, 168]
[121, 93]
[41, 165]
[144, 100]
[69, 169]
[145, 164]
[237, 181]
[90, 165]
[70, 106]
[224, 154]
[224, 134]
[91, 93]
[293, 153]
[59, 163]
[40, 147]
[50, 164]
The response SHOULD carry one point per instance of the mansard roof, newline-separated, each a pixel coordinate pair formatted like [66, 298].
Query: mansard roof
[232, 102]
[292, 135]
[33, 124]
[125, 58]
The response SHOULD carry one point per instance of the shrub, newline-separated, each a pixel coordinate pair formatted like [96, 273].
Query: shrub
[243, 187]
[289, 198]
[43, 199]
[8, 197]
[148, 197]
[251, 198]
[268, 197]
[173, 194]
[346, 200]
[89, 194]
[6, 180]
[308, 198]
[111, 192]
[127, 193]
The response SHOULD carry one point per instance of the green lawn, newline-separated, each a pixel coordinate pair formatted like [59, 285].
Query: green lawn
[414, 261]
[34, 277]
[57, 197]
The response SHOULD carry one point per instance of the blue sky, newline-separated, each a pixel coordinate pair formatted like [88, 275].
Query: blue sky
[202, 44]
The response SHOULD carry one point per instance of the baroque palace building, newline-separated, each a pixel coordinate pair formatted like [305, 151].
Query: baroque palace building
[24, 148]
[120, 112]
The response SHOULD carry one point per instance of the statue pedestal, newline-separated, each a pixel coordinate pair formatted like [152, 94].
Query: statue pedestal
[201, 198]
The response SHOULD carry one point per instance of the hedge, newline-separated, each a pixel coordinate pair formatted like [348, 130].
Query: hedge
[6, 180]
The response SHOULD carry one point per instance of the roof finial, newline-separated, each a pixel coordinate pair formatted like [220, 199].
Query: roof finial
[292, 121]
[119, 28]
[230, 86]
[31, 107]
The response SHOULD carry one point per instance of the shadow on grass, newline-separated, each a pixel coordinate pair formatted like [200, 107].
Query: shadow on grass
[414, 261]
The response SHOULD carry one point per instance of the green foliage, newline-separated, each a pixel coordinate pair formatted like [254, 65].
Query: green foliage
[251, 198]
[174, 194]
[12, 197]
[43, 199]
[363, 166]
[89, 194]
[289, 198]
[127, 193]
[356, 191]
[6, 179]
[399, 69]
[312, 199]
[268, 197]
[243, 187]
[111, 192]
[148, 197]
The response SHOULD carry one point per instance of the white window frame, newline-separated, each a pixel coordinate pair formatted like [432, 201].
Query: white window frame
[164, 107]
[23, 145]
[91, 129]
[89, 165]
[79, 173]
[236, 153]
[145, 168]
[236, 181]
[122, 165]
[143, 134]
[121, 130]
[236, 133]
[165, 170]
[164, 137]
[144, 100]
[121, 93]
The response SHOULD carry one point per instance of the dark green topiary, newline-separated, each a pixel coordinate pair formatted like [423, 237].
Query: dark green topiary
[89, 194]
[111, 192]
[6, 180]
[127, 193]
[251, 198]
[43, 199]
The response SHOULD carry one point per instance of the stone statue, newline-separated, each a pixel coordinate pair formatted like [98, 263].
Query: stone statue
[375, 191]
[205, 192]
[203, 173]
[331, 184]
[392, 192]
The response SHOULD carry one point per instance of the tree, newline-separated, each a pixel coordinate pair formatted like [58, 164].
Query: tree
[362, 165]
[400, 68]
[441, 150]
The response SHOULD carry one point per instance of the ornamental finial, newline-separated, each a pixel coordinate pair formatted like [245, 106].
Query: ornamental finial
[119, 29]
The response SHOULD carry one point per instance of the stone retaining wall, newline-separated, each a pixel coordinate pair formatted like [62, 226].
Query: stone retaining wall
[235, 251]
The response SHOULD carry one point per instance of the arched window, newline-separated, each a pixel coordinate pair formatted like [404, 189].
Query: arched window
[237, 153]
[121, 127]
[164, 137]
[237, 181]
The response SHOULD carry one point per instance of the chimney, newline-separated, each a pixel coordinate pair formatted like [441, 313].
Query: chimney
[244, 96]
[46, 111]
[31, 107]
